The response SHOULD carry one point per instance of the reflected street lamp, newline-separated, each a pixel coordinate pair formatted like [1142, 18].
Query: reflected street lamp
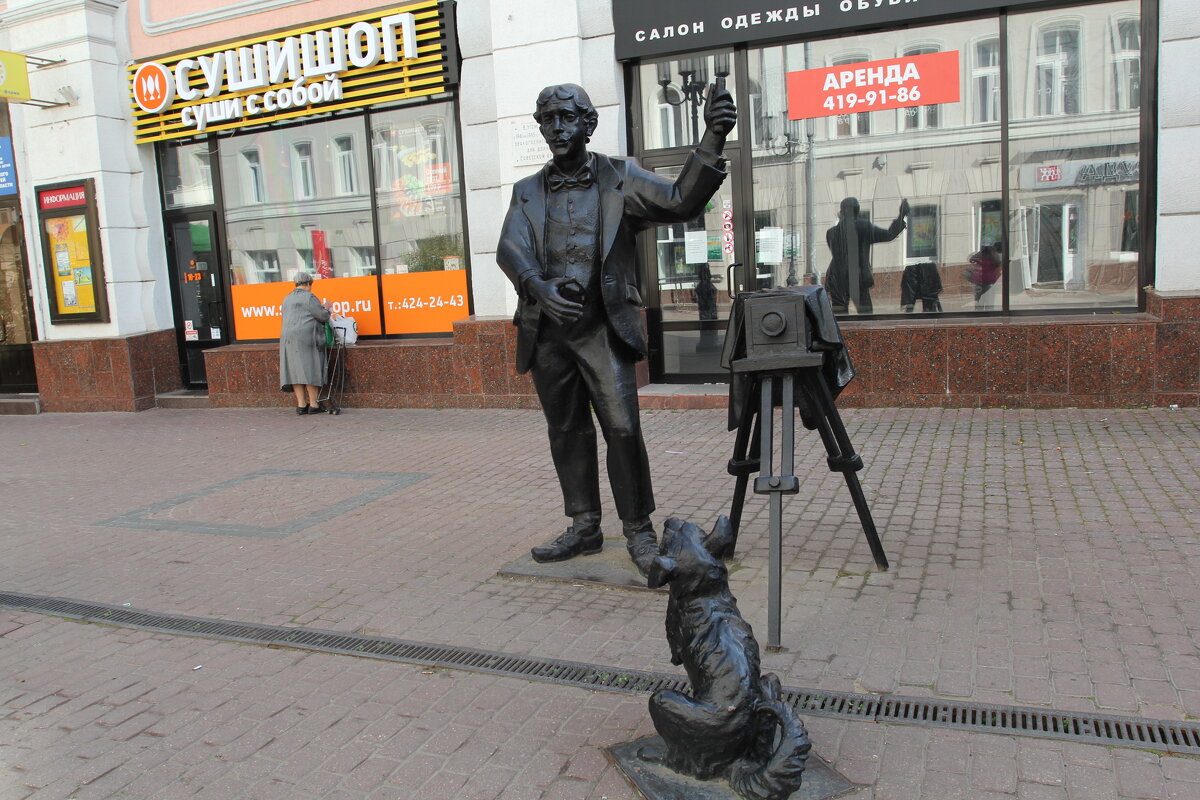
[692, 85]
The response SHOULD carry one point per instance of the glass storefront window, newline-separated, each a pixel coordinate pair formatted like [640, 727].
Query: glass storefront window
[419, 201]
[1066, 236]
[187, 175]
[828, 188]
[673, 93]
[285, 212]
[1074, 156]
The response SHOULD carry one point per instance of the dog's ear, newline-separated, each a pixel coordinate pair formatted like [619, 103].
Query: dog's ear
[719, 540]
[662, 570]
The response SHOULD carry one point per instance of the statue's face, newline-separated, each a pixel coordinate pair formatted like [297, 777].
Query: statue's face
[564, 128]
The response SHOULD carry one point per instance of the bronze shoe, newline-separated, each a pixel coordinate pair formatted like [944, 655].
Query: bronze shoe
[577, 540]
[641, 544]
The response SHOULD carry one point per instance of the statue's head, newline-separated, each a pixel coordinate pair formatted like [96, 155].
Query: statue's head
[849, 208]
[567, 119]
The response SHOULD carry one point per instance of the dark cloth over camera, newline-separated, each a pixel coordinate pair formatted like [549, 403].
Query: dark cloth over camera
[824, 337]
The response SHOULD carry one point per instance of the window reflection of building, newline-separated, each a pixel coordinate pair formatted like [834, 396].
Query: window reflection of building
[671, 101]
[1071, 212]
[264, 265]
[303, 180]
[670, 116]
[417, 190]
[345, 168]
[310, 223]
[920, 117]
[1057, 89]
[986, 79]
[254, 190]
[187, 175]
[852, 124]
[383, 151]
[921, 239]
[362, 260]
[1131, 236]
[1127, 64]
[991, 224]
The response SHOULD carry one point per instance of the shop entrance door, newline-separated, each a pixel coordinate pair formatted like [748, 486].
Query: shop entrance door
[200, 317]
[1055, 240]
[16, 307]
[694, 271]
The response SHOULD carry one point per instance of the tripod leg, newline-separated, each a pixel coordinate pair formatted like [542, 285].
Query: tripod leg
[787, 461]
[742, 465]
[868, 524]
[842, 458]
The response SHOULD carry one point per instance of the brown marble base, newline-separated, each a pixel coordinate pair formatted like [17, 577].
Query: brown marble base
[472, 369]
[116, 374]
[1144, 359]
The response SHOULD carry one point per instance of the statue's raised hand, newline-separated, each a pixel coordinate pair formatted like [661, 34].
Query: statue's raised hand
[720, 114]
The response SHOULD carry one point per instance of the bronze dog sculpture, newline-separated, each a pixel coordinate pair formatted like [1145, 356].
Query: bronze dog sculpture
[728, 726]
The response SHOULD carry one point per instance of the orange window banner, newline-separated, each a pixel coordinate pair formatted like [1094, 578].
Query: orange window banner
[921, 80]
[257, 310]
[424, 302]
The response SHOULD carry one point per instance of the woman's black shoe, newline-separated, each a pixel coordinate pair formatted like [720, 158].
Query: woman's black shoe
[302, 410]
[315, 410]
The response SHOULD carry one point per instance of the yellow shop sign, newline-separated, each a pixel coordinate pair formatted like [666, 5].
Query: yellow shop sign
[14, 77]
[350, 62]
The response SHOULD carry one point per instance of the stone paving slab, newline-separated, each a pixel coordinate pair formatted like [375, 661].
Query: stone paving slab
[1046, 558]
[149, 717]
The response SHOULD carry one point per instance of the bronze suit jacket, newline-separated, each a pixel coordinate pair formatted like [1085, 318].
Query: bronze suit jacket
[631, 199]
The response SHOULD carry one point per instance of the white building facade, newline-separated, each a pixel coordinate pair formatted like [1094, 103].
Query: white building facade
[150, 238]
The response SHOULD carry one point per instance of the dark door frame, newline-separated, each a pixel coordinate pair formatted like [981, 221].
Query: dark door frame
[21, 354]
[741, 186]
[218, 270]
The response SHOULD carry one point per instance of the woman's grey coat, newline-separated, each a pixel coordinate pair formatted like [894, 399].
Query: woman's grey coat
[302, 352]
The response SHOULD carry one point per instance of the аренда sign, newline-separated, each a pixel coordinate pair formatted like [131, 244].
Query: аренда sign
[922, 80]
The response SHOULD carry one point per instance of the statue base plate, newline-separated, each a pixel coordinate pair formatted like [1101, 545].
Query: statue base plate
[656, 782]
[610, 567]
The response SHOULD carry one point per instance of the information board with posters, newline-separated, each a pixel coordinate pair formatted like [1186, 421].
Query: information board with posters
[71, 252]
[921, 80]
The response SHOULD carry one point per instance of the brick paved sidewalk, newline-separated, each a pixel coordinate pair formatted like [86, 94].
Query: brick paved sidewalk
[1039, 558]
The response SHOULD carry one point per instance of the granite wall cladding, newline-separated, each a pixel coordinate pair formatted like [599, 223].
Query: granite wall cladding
[117, 374]
[1100, 360]
[473, 369]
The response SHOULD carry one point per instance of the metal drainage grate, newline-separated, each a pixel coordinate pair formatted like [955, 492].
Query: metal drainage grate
[1102, 729]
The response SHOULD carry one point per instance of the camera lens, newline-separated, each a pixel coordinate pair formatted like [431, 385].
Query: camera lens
[772, 323]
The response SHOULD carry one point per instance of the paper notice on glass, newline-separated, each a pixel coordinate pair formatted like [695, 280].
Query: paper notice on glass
[769, 243]
[695, 247]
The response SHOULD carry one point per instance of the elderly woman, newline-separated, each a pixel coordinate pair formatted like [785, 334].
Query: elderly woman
[302, 345]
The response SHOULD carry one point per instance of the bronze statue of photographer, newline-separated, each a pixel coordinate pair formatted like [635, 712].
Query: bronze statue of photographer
[568, 246]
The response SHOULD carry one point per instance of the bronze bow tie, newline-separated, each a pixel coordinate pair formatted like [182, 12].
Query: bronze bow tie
[581, 180]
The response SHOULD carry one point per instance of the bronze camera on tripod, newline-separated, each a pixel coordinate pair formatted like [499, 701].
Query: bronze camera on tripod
[775, 333]
[784, 350]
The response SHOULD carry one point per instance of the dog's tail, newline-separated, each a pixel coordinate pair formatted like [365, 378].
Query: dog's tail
[766, 773]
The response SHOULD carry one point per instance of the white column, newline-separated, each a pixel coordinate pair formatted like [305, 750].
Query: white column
[1178, 265]
[91, 137]
[511, 50]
